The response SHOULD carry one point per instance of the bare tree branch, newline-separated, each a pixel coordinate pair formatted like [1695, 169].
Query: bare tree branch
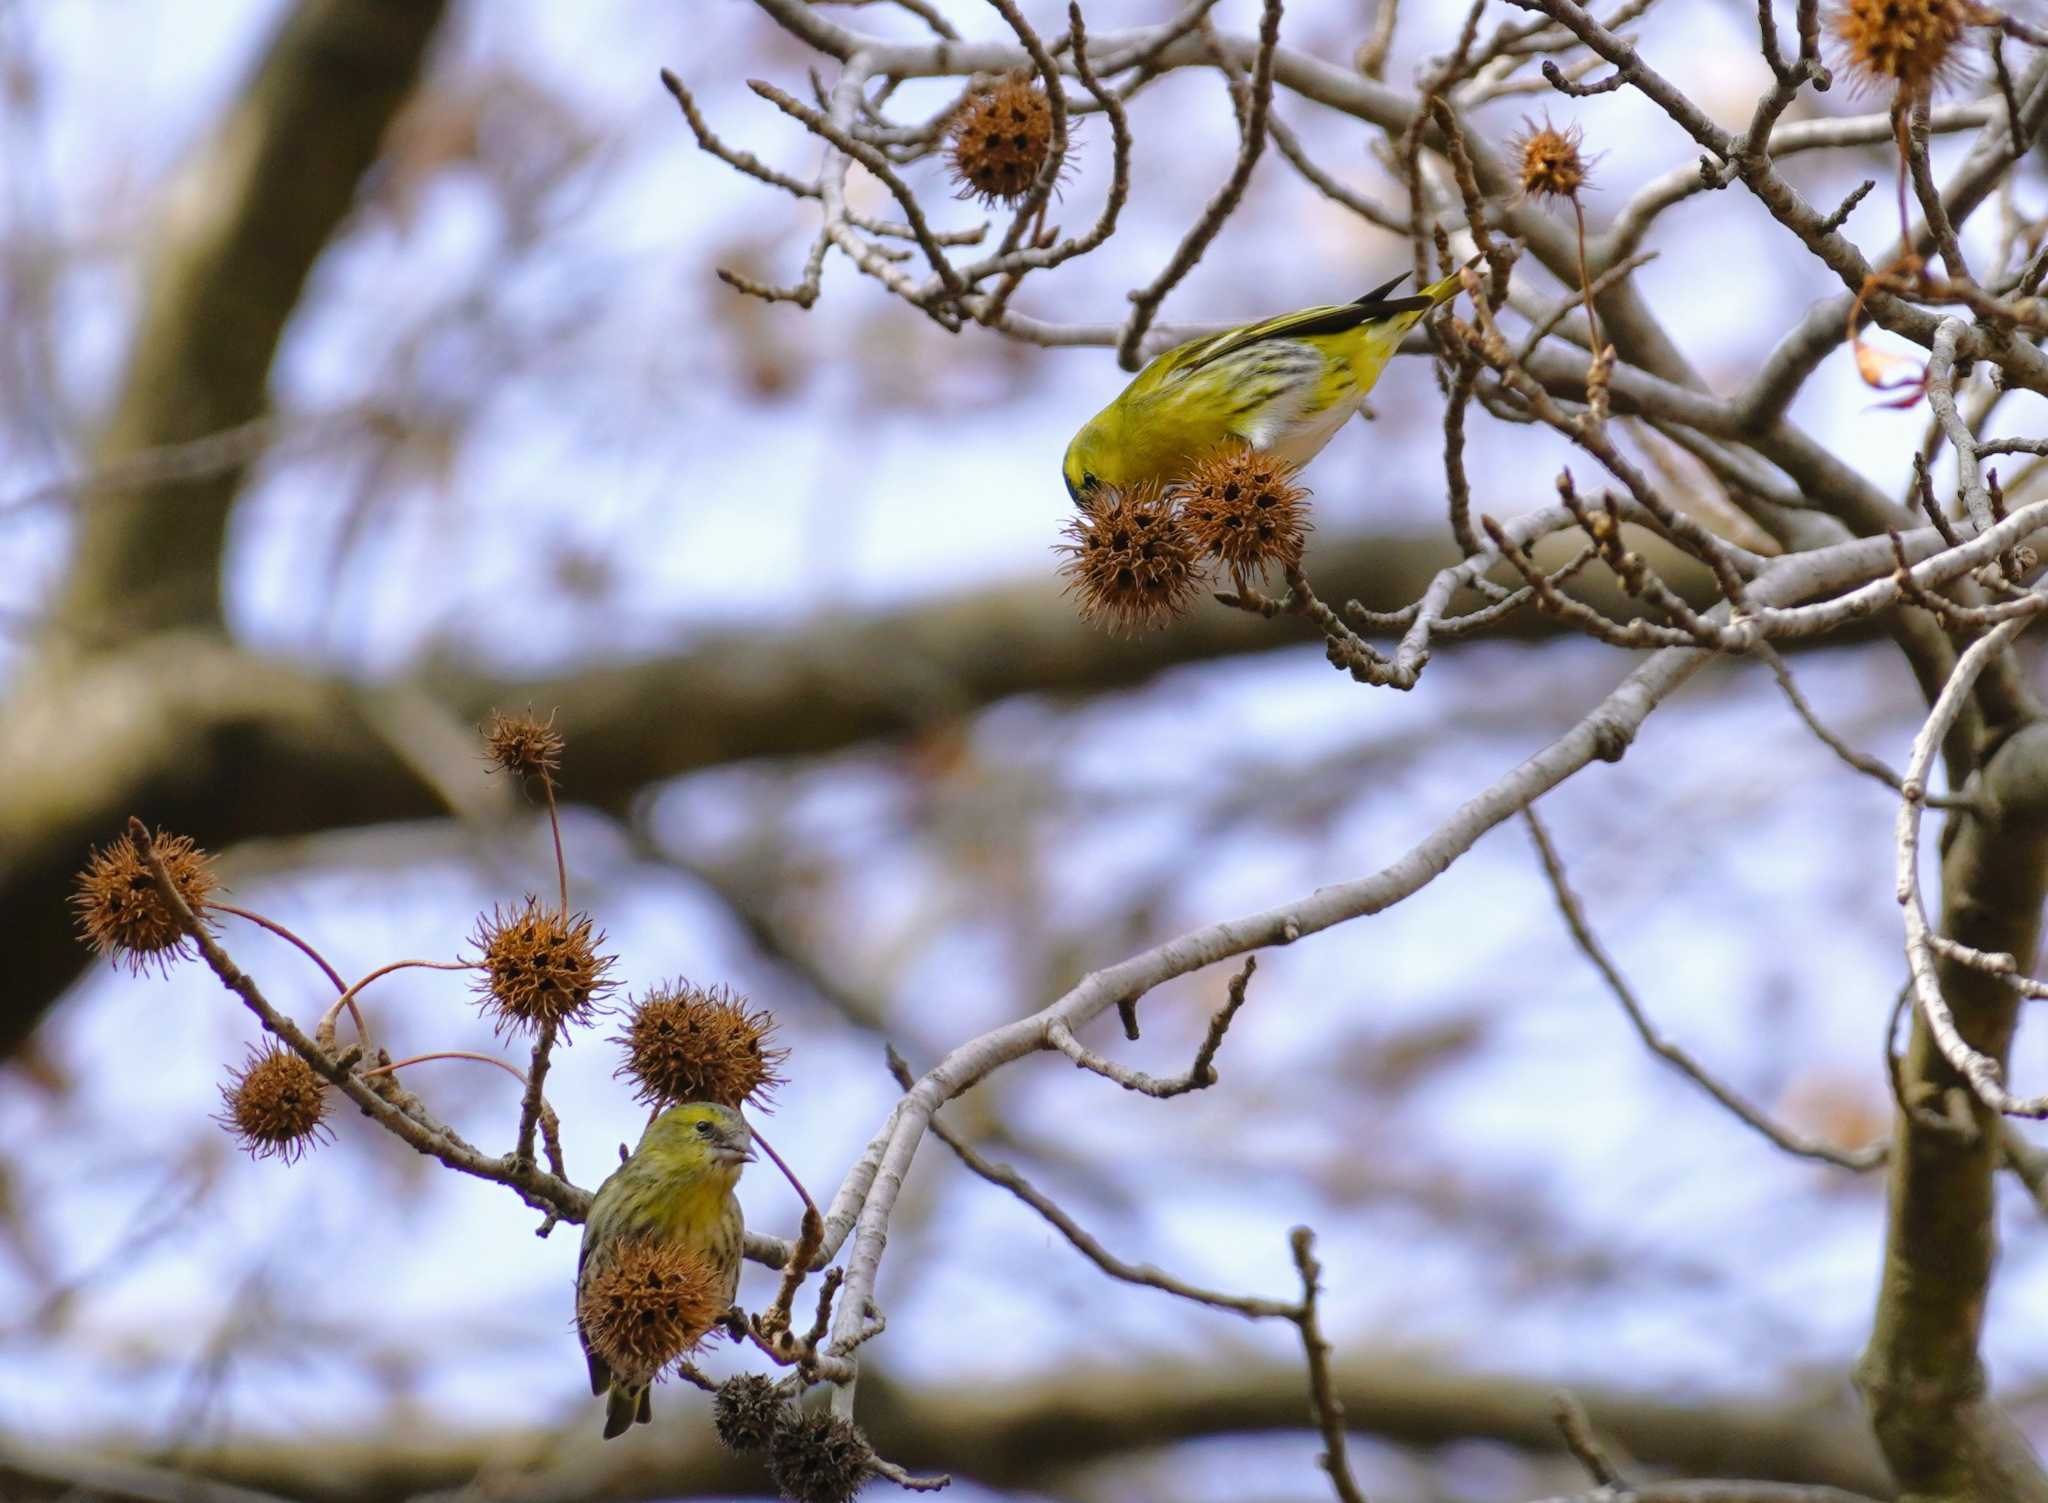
[1867, 1157]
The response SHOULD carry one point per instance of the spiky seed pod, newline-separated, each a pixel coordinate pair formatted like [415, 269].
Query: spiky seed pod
[815, 1456]
[541, 967]
[275, 1105]
[1243, 509]
[1915, 45]
[1549, 163]
[695, 1043]
[746, 1412]
[524, 744]
[1130, 559]
[648, 1306]
[1000, 140]
[120, 911]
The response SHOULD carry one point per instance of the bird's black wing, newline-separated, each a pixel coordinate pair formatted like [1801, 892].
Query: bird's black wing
[1334, 319]
[600, 1370]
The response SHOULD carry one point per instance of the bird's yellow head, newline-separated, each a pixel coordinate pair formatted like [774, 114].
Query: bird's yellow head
[1091, 461]
[698, 1135]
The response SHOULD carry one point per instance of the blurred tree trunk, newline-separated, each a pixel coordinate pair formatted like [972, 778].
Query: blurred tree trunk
[1922, 1374]
[237, 237]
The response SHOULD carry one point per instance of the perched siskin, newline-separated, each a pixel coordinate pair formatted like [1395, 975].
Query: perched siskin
[674, 1196]
[1284, 386]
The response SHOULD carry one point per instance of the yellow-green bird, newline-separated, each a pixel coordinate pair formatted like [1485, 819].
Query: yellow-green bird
[677, 1188]
[1284, 386]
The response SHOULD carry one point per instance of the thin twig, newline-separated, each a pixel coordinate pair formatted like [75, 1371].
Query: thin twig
[349, 994]
[347, 997]
[909, 1482]
[771, 1330]
[1867, 1157]
[1049, 169]
[1322, 1390]
[1372, 56]
[1144, 1274]
[420, 1059]
[1555, 77]
[1145, 300]
[555, 829]
[743, 161]
[531, 1104]
[1201, 1074]
[1847, 206]
[1567, 306]
[1297, 155]
[543, 1191]
[1486, 340]
[1983, 1073]
[285, 934]
[197, 458]
[1863, 762]
[1577, 1432]
[871, 158]
[1914, 137]
[1010, 263]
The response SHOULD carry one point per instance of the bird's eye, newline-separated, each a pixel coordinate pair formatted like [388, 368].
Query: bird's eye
[703, 1129]
[1089, 482]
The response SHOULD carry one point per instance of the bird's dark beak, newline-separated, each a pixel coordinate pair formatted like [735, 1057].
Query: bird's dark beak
[735, 1153]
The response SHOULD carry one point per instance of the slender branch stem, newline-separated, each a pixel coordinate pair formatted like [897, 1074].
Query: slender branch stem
[419, 1059]
[1867, 1157]
[413, 1125]
[346, 998]
[282, 933]
[349, 994]
[555, 829]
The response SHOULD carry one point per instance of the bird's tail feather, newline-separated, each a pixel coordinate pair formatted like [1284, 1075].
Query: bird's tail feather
[1443, 291]
[625, 1405]
[1376, 305]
